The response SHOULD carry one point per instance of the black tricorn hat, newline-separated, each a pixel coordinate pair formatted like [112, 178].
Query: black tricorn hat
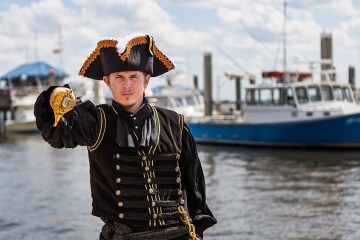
[140, 54]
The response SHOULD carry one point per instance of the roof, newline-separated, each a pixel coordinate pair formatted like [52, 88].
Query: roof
[36, 69]
[280, 75]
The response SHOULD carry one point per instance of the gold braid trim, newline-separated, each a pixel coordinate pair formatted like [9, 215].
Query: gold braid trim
[133, 42]
[101, 131]
[166, 61]
[96, 53]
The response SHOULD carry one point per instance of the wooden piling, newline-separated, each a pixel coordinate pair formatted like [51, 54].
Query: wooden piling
[5, 105]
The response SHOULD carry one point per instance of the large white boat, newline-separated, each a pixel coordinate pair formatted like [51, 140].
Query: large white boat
[294, 113]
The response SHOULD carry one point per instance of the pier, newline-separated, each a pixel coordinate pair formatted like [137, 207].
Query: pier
[5, 105]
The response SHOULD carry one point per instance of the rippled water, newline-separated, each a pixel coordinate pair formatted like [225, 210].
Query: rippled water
[255, 193]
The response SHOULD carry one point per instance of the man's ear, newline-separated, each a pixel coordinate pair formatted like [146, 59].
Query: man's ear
[106, 81]
[147, 80]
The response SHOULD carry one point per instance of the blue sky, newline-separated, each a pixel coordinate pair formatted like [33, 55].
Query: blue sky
[242, 35]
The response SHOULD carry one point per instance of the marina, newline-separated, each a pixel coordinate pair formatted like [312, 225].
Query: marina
[255, 193]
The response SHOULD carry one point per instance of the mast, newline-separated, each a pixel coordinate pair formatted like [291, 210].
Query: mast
[284, 46]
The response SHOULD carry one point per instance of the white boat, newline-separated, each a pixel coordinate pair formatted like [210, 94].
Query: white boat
[25, 83]
[184, 100]
[22, 119]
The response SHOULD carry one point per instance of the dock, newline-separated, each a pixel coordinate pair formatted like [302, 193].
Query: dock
[5, 106]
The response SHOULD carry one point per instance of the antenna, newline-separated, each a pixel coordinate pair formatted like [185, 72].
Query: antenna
[284, 37]
[59, 50]
[284, 60]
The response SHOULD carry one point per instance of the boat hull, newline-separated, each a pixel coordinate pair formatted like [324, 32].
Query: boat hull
[28, 127]
[341, 131]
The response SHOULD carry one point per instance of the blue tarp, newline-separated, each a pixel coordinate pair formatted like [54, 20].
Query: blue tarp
[37, 69]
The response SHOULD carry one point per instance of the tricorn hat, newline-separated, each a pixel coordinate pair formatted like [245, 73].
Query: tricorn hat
[140, 54]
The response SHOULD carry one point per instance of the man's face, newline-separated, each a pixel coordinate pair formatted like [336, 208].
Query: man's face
[127, 88]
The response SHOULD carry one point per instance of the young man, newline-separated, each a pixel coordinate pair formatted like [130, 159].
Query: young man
[146, 178]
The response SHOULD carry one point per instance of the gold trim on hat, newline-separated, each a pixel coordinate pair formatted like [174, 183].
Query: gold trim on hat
[129, 46]
[123, 56]
[96, 52]
[143, 40]
[165, 60]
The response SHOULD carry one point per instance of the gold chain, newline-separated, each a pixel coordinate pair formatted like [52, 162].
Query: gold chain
[186, 220]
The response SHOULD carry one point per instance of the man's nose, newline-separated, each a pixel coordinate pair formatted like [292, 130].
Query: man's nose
[127, 82]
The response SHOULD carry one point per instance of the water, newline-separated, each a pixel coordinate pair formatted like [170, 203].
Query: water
[255, 193]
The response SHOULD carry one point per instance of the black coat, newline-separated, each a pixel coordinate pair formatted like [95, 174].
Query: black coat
[82, 126]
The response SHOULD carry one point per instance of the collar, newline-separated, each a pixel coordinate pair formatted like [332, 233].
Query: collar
[142, 113]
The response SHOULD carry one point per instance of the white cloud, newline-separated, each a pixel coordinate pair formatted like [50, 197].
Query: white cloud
[250, 31]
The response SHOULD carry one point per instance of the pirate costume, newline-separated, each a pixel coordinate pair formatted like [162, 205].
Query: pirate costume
[146, 178]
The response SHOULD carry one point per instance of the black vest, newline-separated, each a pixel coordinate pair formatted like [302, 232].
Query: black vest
[138, 186]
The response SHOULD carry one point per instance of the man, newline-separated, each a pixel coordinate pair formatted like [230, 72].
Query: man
[146, 178]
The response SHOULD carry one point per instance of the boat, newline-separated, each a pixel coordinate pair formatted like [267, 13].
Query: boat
[25, 83]
[23, 119]
[300, 112]
[184, 100]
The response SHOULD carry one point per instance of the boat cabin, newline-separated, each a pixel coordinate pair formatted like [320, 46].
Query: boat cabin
[183, 100]
[298, 100]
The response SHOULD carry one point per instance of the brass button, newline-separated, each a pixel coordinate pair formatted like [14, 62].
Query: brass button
[118, 192]
[182, 201]
[118, 180]
[177, 156]
[118, 167]
[120, 204]
[149, 180]
[177, 169]
[151, 191]
[153, 204]
[117, 156]
[121, 215]
[143, 157]
[155, 216]
[179, 192]
[147, 168]
[178, 180]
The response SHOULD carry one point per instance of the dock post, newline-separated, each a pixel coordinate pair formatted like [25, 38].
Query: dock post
[208, 84]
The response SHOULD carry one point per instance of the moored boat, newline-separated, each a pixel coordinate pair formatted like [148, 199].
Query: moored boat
[288, 113]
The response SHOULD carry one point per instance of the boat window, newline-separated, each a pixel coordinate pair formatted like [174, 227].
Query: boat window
[338, 93]
[251, 97]
[348, 94]
[314, 93]
[163, 102]
[301, 94]
[278, 96]
[327, 93]
[190, 100]
[265, 96]
[290, 97]
[179, 102]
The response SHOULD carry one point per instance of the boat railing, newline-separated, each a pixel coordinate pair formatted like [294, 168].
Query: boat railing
[24, 91]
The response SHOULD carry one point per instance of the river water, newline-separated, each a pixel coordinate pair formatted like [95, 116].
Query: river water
[255, 193]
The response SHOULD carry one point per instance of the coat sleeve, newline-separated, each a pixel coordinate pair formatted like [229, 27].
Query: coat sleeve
[193, 181]
[80, 126]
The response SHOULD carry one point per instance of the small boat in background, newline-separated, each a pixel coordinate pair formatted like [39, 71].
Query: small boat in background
[184, 100]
